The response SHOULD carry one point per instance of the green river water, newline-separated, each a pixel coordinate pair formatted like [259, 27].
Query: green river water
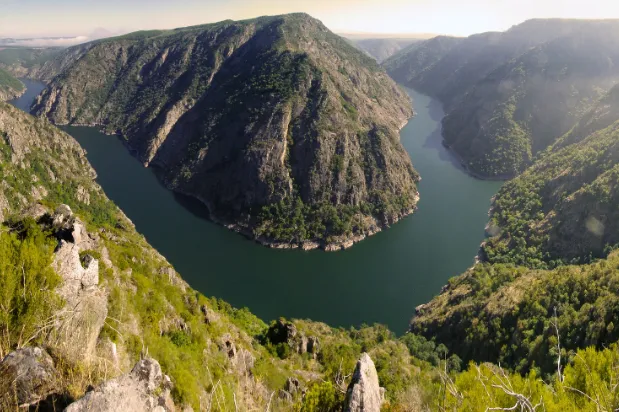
[381, 279]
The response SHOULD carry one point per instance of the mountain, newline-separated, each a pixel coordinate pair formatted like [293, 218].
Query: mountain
[563, 208]
[93, 315]
[10, 87]
[284, 130]
[382, 48]
[509, 95]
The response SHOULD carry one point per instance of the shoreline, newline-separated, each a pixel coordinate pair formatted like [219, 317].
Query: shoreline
[345, 242]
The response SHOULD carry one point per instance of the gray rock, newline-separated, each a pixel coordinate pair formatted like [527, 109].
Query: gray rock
[35, 211]
[364, 392]
[227, 345]
[145, 388]
[292, 385]
[81, 319]
[209, 315]
[62, 216]
[75, 276]
[33, 372]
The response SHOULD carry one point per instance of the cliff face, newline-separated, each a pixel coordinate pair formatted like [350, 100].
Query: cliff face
[273, 123]
[510, 95]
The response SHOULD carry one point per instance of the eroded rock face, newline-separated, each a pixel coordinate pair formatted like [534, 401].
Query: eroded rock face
[364, 393]
[33, 373]
[82, 318]
[145, 388]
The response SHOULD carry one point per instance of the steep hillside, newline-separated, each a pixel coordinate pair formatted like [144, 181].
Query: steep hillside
[509, 95]
[280, 127]
[461, 62]
[10, 87]
[563, 208]
[507, 314]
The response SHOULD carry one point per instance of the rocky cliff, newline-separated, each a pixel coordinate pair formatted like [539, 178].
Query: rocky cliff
[284, 130]
[509, 95]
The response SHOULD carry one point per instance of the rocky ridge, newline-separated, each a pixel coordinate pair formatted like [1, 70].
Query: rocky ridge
[300, 148]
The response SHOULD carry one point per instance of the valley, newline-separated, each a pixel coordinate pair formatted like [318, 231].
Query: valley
[401, 265]
[161, 207]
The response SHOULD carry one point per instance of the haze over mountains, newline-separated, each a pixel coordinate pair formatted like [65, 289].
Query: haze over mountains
[509, 95]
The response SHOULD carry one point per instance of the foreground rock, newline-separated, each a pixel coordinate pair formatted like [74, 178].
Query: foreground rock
[364, 393]
[145, 388]
[80, 321]
[32, 374]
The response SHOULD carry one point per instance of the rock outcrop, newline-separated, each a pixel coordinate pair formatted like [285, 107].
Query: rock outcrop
[144, 389]
[81, 319]
[364, 392]
[284, 332]
[31, 374]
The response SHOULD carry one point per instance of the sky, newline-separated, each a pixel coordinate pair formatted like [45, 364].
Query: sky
[97, 18]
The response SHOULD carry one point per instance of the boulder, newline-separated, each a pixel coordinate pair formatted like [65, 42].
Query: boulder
[32, 372]
[77, 274]
[364, 393]
[145, 388]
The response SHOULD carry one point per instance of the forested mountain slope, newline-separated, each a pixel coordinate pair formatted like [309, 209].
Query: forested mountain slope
[524, 295]
[510, 95]
[564, 207]
[274, 123]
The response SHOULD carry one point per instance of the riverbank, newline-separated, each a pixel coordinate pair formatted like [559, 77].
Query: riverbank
[390, 272]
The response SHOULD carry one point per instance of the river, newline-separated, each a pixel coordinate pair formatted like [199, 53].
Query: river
[380, 280]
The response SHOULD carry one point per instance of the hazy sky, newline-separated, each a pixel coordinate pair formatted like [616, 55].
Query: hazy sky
[19, 18]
